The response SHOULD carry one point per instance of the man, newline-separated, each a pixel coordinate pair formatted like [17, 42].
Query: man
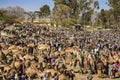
[89, 76]
[56, 77]
[99, 68]
[30, 50]
[4, 58]
[71, 75]
[45, 77]
[114, 68]
[16, 76]
[110, 67]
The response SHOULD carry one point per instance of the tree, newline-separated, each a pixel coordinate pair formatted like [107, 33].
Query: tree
[61, 15]
[44, 11]
[15, 10]
[31, 15]
[87, 9]
[115, 9]
[79, 8]
[38, 13]
[9, 18]
[106, 18]
[72, 4]
[2, 12]
[103, 17]
[115, 5]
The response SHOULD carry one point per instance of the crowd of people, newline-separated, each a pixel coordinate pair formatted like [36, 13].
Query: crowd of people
[31, 51]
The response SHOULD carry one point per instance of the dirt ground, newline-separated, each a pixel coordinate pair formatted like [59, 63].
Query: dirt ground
[95, 77]
[84, 77]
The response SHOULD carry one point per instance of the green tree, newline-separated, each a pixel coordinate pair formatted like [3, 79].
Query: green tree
[103, 17]
[38, 13]
[61, 15]
[79, 8]
[115, 9]
[17, 12]
[9, 18]
[44, 11]
[106, 18]
[2, 12]
[87, 9]
[31, 15]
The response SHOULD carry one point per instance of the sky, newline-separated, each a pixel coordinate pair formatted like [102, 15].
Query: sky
[34, 5]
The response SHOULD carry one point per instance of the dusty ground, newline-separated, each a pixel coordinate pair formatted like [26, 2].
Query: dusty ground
[95, 77]
[84, 77]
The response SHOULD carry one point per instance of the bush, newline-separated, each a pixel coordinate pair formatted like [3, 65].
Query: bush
[8, 19]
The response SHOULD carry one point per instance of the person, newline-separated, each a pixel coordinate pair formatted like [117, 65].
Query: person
[99, 68]
[23, 77]
[89, 76]
[114, 69]
[118, 65]
[16, 76]
[30, 50]
[45, 77]
[26, 77]
[3, 56]
[56, 77]
[110, 73]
